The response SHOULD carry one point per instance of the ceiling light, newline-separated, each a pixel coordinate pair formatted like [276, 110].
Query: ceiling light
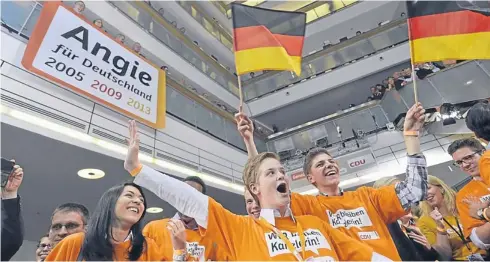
[44, 123]
[154, 210]
[469, 82]
[91, 173]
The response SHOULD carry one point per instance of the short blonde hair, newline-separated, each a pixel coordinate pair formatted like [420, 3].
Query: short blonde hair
[251, 170]
[448, 194]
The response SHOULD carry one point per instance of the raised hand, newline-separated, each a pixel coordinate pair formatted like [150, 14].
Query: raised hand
[244, 125]
[415, 118]
[436, 215]
[474, 205]
[13, 183]
[177, 230]
[132, 160]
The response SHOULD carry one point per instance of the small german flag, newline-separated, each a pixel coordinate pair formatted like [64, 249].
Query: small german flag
[443, 30]
[267, 39]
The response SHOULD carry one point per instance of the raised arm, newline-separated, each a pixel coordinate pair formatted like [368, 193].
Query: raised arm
[414, 188]
[180, 195]
[246, 129]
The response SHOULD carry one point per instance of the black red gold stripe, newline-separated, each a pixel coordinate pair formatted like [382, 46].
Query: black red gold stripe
[267, 39]
[441, 30]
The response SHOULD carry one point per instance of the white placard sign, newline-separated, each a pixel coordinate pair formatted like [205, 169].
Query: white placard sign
[71, 51]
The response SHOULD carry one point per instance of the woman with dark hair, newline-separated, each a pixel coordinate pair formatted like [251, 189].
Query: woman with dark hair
[114, 231]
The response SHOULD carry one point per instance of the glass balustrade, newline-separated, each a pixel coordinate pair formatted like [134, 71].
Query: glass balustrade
[211, 26]
[464, 82]
[365, 120]
[22, 16]
[153, 25]
[321, 62]
[457, 84]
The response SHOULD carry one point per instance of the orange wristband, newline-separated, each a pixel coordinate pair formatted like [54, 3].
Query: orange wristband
[485, 214]
[442, 230]
[137, 170]
[411, 133]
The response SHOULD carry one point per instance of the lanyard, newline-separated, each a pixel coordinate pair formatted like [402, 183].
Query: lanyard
[459, 232]
[290, 246]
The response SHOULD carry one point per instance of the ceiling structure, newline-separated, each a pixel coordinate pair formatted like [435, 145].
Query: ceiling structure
[327, 102]
[50, 179]
[448, 173]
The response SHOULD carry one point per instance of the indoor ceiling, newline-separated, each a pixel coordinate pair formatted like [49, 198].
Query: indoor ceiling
[327, 102]
[448, 173]
[50, 179]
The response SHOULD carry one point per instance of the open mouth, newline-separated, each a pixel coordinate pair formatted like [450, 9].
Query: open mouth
[281, 188]
[429, 198]
[133, 209]
[331, 173]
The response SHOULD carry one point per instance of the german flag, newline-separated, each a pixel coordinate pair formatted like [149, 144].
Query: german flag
[443, 30]
[267, 39]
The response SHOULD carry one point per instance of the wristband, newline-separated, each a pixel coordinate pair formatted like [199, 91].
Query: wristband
[411, 133]
[137, 170]
[441, 231]
[485, 214]
[180, 255]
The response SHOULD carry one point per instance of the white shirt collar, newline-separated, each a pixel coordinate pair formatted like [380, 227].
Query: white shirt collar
[341, 191]
[270, 215]
[129, 237]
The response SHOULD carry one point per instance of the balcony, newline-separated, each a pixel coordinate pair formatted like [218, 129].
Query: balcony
[461, 83]
[19, 19]
[157, 26]
[361, 127]
[211, 26]
[330, 59]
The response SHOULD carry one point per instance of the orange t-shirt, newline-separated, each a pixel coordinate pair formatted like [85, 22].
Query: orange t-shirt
[476, 189]
[199, 248]
[69, 248]
[484, 166]
[460, 250]
[362, 214]
[245, 239]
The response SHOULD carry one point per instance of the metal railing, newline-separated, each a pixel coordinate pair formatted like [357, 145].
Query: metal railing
[211, 26]
[362, 121]
[329, 59]
[92, 120]
[467, 81]
[157, 25]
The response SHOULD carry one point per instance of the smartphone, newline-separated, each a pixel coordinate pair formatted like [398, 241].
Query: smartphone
[7, 168]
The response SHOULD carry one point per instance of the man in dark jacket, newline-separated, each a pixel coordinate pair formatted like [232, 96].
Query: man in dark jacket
[12, 223]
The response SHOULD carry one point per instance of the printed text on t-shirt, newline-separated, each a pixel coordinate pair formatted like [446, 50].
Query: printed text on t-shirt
[314, 240]
[357, 217]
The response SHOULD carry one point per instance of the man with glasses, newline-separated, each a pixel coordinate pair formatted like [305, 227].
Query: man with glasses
[43, 248]
[67, 219]
[466, 153]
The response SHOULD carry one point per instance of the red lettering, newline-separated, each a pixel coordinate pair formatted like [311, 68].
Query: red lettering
[358, 163]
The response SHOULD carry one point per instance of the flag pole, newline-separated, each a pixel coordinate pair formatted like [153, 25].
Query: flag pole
[240, 107]
[412, 63]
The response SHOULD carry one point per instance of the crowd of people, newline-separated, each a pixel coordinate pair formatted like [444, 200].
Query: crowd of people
[400, 79]
[419, 218]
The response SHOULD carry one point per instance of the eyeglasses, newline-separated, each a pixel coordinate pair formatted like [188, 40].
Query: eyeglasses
[43, 246]
[465, 159]
[69, 227]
